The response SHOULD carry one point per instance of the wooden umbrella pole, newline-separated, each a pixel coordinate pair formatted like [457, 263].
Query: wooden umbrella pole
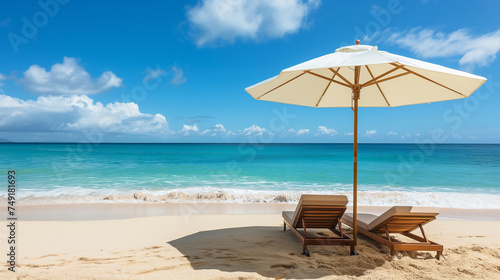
[355, 97]
[355, 174]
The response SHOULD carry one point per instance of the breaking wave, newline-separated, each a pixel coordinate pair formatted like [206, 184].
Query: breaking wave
[64, 195]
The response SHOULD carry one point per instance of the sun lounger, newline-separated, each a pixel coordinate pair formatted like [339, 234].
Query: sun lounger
[318, 212]
[398, 219]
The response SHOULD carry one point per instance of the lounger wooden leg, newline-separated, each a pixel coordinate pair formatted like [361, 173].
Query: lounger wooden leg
[353, 251]
[340, 227]
[423, 233]
[387, 233]
[304, 245]
[438, 255]
[310, 217]
[393, 252]
[305, 250]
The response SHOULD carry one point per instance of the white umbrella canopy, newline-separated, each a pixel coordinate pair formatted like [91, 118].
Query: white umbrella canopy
[362, 76]
[385, 80]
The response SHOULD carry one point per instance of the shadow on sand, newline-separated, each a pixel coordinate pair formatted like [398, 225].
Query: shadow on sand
[271, 252]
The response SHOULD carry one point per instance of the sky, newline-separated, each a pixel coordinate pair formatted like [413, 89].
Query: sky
[176, 71]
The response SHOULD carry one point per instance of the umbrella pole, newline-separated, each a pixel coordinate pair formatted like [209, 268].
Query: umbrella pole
[355, 173]
[355, 96]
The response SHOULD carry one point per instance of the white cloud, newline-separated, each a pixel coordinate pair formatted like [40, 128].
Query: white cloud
[179, 77]
[370, 132]
[2, 78]
[323, 130]
[76, 113]
[220, 127]
[189, 130]
[474, 50]
[214, 21]
[392, 133]
[349, 133]
[67, 78]
[288, 132]
[217, 130]
[154, 74]
[293, 132]
[302, 132]
[253, 130]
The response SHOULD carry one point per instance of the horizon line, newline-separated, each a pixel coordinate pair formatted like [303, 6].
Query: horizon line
[248, 143]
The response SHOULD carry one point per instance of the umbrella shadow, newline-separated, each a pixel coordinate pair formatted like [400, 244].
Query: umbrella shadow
[271, 252]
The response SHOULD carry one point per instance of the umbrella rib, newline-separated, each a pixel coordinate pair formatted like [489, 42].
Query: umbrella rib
[378, 86]
[372, 81]
[326, 78]
[432, 81]
[327, 86]
[342, 77]
[281, 85]
[390, 78]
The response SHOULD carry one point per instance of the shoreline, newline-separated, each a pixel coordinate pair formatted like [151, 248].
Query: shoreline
[224, 195]
[113, 211]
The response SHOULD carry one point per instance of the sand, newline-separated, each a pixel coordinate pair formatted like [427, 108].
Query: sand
[233, 246]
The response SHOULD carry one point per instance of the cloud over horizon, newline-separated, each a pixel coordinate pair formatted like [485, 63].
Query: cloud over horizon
[369, 133]
[292, 132]
[216, 21]
[323, 130]
[189, 130]
[217, 130]
[77, 113]
[253, 131]
[81, 114]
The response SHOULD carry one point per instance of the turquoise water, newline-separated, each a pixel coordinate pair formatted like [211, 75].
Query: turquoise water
[459, 176]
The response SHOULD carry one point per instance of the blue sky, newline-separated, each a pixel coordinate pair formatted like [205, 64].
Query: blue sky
[172, 71]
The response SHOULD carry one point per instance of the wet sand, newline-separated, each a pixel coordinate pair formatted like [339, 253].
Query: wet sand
[109, 211]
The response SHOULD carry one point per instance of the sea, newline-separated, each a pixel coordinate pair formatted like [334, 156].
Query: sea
[465, 176]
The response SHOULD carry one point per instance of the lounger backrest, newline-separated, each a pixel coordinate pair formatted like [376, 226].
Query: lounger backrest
[399, 219]
[321, 208]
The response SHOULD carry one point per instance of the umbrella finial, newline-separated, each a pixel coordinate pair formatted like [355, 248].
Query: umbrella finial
[358, 42]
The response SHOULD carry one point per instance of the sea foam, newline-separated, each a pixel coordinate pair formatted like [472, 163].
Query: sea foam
[65, 195]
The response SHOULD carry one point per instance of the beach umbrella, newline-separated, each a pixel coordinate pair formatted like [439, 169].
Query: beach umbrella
[362, 76]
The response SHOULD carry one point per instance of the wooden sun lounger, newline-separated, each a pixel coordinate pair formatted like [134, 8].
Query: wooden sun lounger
[318, 211]
[398, 219]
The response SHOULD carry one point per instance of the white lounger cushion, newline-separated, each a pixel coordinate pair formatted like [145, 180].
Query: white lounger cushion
[370, 221]
[316, 200]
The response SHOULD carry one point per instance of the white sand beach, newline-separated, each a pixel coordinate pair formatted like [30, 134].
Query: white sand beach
[227, 244]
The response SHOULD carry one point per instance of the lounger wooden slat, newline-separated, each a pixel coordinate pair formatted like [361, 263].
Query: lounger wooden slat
[318, 211]
[401, 220]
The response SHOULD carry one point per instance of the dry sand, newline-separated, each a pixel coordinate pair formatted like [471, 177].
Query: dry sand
[229, 246]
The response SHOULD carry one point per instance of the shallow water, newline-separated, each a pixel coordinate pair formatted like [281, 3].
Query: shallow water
[451, 175]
